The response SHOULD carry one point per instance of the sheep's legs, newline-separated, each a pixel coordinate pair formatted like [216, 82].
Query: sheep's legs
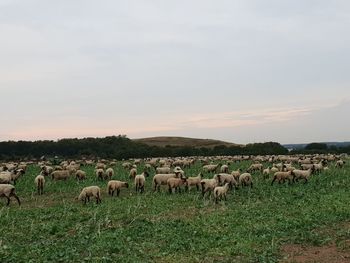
[8, 200]
[118, 191]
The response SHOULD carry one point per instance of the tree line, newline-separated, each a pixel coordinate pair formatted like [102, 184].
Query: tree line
[120, 147]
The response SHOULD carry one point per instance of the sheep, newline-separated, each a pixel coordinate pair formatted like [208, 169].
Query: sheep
[245, 179]
[89, 191]
[132, 173]
[255, 167]
[194, 181]
[266, 172]
[340, 163]
[209, 185]
[318, 167]
[109, 173]
[274, 169]
[116, 185]
[100, 174]
[175, 183]
[60, 175]
[221, 192]
[80, 175]
[226, 178]
[8, 190]
[236, 174]
[140, 180]
[100, 166]
[210, 168]
[161, 179]
[224, 168]
[47, 169]
[40, 183]
[302, 174]
[282, 176]
[7, 177]
[163, 170]
[126, 165]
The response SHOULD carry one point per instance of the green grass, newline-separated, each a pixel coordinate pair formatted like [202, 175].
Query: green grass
[250, 226]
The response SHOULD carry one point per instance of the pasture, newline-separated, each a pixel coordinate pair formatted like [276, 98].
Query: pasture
[253, 225]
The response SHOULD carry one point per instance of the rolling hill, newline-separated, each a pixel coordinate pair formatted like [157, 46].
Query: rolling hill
[164, 141]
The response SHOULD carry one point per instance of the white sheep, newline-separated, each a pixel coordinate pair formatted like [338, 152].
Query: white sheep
[245, 179]
[163, 170]
[60, 175]
[340, 163]
[175, 183]
[281, 177]
[236, 174]
[194, 181]
[8, 190]
[89, 191]
[226, 178]
[109, 173]
[116, 185]
[132, 173]
[40, 183]
[100, 174]
[161, 179]
[209, 185]
[221, 192]
[80, 175]
[224, 168]
[302, 174]
[210, 168]
[140, 180]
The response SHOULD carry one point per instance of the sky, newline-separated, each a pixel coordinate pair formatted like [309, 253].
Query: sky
[240, 71]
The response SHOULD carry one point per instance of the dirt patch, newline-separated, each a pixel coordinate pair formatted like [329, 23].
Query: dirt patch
[308, 254]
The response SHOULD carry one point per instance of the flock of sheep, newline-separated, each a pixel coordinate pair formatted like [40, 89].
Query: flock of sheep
[170, 173]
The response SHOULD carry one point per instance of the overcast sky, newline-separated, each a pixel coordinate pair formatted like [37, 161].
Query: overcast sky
[240, 71]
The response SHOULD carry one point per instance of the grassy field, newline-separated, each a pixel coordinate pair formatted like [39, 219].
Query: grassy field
[251, 226]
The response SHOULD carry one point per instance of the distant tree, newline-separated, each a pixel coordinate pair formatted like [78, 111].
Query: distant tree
[316, 146]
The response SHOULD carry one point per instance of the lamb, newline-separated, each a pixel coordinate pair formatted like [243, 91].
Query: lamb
[100, 174]
[8, 190]
[282, 176]
[116, 185]
[109, 173]
[132, 173]
[302, 174]
[221, 192]
[89, 191]
[194, 181]
[161, 179]
[175, 183]
[40, 183]
[245, 179]
[80, 175]
[140, 180]
[209, 185]
[60, 175]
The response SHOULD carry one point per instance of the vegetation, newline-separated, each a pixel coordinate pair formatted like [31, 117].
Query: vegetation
[121, 147]
[251, 226]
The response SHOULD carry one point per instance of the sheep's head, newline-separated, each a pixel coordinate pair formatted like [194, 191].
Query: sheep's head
[146, 174]
[126, 185]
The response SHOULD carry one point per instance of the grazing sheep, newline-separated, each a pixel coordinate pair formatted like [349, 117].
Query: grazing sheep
[100, 166]
[8, 190]
[116, 185]
[266, 172]
[255, 167]
[274, 170]
[161, 179]
[140, 180]
[318, 167]
[126, 165]
[340, 163]
[8, 177]
[302, 174]
[209, 185]
[236, 174]
[224, 169]
[245, 179]
[60, 175]
[163, 170]
[109, 173]
[132, 173]
[281, 177]
[221, 192]
[210, 168]
[40, 183]
[175, 183]
[100, 174]
[194, 181]
[226, 178]
[80, 175]
[89, 191]
[47, 169]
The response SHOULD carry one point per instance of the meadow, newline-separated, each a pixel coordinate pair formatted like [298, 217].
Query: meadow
[251, 226]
